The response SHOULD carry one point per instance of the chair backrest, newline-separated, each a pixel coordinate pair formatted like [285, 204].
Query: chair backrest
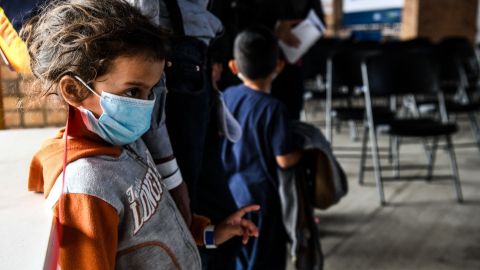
[451, 72]
[315, 60]
[391, 73]
[462, 49]
[411, 45]
[345, 66]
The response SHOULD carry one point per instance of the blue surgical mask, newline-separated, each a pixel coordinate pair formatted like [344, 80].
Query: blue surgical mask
[123, 121]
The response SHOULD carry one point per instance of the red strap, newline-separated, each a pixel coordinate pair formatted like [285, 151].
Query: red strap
[51, 262]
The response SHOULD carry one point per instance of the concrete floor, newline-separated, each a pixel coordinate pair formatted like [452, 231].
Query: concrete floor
[422, 227]
[25, 222]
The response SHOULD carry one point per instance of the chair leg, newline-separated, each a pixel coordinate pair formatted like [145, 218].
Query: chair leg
[363, 155]
[426, 148]
[328, 110]
[376, 165]
[453, 163]
[475, 128]
[331, 130]
[390, 149]
[328, 122]
[305, 112]
[431, 160]
[353, 130]
[396, 156]
[338, 127]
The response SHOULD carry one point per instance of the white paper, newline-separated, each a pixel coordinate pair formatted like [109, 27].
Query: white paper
[308, 32]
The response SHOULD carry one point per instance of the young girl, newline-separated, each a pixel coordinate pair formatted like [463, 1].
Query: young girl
[114, 206]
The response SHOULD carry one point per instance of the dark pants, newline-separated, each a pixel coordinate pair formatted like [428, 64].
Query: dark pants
[288, 88]
[269, 250]
[191, 123]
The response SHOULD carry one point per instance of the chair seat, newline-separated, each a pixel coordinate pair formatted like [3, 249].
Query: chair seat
[454, 107]
[420, 128]
[358, 113]
[317, 95]
[345, 113]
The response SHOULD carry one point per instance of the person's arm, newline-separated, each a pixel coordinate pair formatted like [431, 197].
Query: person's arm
[233, 225]
[283, 31]
[288, 160]
[89, 232]
[281, 138]
[236, 225]
[172, 178]
[158, 143]
[182, 200]
[291, 13]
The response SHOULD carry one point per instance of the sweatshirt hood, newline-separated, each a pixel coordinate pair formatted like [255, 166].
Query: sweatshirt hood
[47, 163]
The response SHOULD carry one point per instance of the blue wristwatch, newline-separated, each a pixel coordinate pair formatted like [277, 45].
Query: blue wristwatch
[208, 237]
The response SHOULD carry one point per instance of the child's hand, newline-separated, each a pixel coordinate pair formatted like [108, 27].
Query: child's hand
[236, 225]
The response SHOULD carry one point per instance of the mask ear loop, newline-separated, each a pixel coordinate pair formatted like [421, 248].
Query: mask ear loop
[86, 85]
[52, 263]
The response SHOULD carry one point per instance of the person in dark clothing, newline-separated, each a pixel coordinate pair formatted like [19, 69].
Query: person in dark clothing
[191, 115]
[278, 16]
[267, 143]
[18, 11]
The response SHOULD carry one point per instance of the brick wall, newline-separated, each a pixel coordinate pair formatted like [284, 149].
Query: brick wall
[437, 19]
[12, 90]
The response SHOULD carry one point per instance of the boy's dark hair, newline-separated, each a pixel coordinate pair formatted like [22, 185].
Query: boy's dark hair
[256, 52]
[83, 37]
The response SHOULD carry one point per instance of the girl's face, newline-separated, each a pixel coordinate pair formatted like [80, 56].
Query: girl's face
[129, 76]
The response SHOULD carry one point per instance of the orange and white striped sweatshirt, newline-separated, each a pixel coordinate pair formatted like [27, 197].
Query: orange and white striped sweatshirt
[116, 210]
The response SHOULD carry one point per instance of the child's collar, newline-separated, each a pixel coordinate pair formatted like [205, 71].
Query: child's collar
[263, 85]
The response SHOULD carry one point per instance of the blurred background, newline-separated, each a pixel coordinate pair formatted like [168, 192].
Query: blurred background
[375, 20]
[423, 226]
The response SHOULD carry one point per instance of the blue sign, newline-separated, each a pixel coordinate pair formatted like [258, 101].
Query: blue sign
[392, 15]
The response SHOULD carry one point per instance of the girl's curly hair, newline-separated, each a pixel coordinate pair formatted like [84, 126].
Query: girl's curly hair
[82, 37]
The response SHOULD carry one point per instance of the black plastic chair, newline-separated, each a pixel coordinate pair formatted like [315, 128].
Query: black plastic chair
[410, 45]
[315, 60]
[344, 80]
[459, 75]
[405, 74]
[463, 49]
[315, 69]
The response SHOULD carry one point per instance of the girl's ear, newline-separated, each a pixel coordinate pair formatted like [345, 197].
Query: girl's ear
[72, 91]
[232, 64]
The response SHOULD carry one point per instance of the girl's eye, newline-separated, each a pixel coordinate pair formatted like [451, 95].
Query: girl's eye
[132, 92]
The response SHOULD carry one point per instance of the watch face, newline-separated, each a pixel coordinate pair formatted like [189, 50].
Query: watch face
[209, 237]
